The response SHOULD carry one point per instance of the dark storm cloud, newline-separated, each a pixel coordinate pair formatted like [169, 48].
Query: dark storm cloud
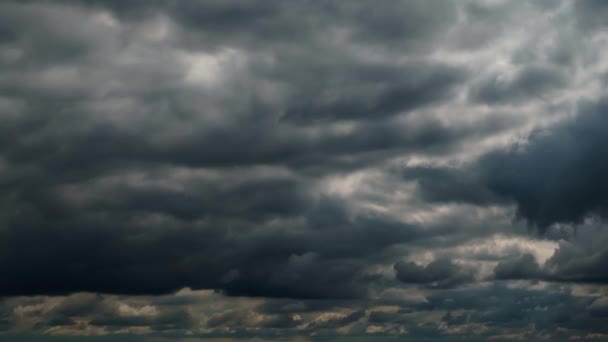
[441, 273]
[318, 259]
[580, 259]
[522, 267]
[244, 149]
[68, 181]
[101, 127]
[555, 177]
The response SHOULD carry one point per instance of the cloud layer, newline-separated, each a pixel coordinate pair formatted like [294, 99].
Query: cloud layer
[226, 170]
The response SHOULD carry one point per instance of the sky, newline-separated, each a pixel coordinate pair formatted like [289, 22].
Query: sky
[231, 170]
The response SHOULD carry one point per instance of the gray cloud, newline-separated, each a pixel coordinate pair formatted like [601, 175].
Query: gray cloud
[441, 273]
[591, 14]
[599, 307]
[580, 259]
[529, 82]
[522, 267]
[118, 162]
[555, 177]
[225, 170]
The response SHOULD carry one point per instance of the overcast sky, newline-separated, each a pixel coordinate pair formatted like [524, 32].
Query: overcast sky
[272, 170]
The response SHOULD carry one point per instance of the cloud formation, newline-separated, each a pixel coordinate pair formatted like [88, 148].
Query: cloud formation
[298, 171]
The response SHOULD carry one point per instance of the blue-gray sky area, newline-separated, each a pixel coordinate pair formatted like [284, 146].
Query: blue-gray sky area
[231, 170]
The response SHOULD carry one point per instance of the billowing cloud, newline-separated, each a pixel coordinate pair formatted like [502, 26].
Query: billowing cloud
[554, 177]
[234, 170]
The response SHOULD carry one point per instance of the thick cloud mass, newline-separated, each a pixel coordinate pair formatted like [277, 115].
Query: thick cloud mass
[184, 170]
[522, 267]
[557, 176]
